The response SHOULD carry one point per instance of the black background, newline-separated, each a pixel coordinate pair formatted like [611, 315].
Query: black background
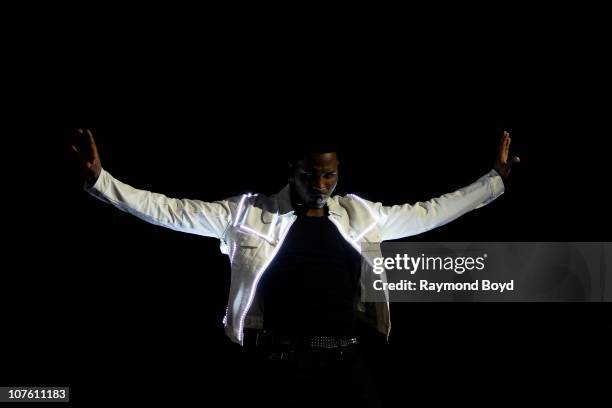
[101, 301]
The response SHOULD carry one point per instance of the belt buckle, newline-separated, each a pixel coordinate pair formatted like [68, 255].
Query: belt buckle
[329, 342]
[264, 339]
[281, 355]
[275, 355]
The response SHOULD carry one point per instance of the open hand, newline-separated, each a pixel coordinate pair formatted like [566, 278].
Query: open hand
[86, 152]
[502, 165]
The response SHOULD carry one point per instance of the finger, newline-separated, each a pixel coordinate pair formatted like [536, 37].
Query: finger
[507, 142]
[77, 139]
[76, 135]
[503, 149]
[503, 140]
[80, 159]
[76, 151]
[79, 134]
[92, 142]
[500, 148]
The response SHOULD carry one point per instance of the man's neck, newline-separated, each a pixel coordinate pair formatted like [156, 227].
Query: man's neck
[310, 212]
[315, 212]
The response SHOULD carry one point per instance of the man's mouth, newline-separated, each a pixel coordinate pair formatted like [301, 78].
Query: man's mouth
[320, 199]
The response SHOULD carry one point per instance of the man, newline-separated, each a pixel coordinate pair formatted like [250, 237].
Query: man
[295, 259]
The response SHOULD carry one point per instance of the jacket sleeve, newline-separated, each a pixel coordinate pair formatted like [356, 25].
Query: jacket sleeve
[209, 219]
[401, 221]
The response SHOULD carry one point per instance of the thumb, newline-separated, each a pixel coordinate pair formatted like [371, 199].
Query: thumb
[515, 160]
[77, 153]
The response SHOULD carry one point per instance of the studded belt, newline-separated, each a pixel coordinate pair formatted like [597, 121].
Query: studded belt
[329, 342]
[264, 339]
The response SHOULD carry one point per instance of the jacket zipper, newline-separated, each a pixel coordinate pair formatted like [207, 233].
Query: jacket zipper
[257, 278]
[355, 245]
[263, 269]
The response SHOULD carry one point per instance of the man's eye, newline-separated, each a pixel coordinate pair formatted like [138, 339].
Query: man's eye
[313, 175]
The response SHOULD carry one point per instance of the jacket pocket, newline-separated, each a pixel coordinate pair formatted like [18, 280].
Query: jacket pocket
[247, 248]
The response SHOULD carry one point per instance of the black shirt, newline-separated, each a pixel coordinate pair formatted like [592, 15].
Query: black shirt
[310, 287]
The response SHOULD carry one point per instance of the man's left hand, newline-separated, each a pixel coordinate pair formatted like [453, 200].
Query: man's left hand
[502, 165]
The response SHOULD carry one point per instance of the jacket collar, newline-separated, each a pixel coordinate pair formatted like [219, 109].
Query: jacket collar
[283, 198]
[284, 205]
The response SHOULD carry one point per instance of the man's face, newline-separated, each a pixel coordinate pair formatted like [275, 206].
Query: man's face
[315, 177]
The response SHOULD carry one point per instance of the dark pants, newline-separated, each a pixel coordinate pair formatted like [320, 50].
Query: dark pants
[314, 378]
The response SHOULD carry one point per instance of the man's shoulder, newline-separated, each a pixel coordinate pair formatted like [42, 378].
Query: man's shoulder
[352, 201]
[350, 198]
[258, 200]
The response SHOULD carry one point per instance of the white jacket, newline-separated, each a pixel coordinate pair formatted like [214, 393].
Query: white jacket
[252, 228]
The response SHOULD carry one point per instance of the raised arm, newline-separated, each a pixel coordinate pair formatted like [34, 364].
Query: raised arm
[401, 221]
[192, 216]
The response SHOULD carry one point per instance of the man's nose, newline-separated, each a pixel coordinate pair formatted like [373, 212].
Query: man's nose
[319, 184]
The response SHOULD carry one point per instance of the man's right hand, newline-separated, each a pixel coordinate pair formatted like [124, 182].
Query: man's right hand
[86, 152]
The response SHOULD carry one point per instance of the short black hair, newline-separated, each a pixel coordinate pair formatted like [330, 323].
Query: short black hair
[301, 149]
